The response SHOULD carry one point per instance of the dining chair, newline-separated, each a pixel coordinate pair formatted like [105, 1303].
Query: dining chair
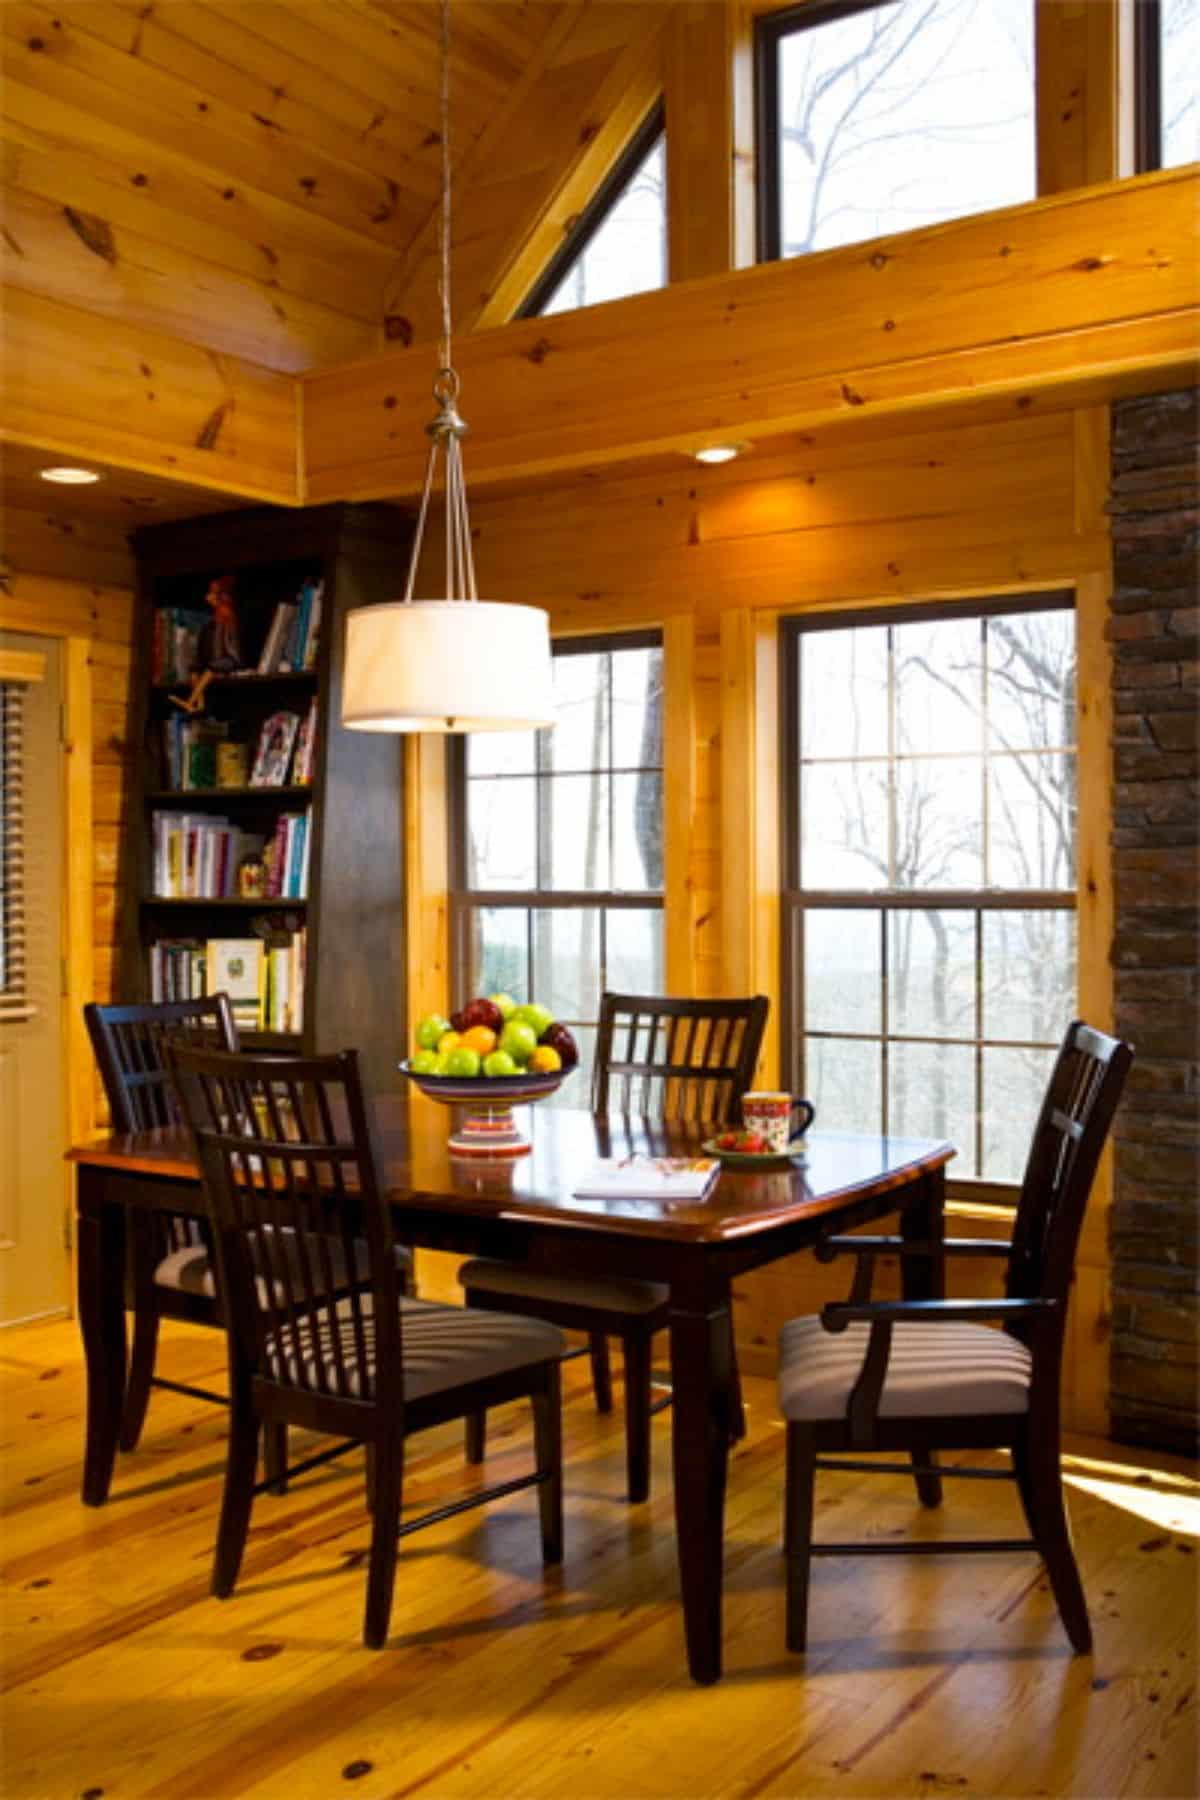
[919, 1376]
[661, 1059]
[284, 1149]
[172, 1275]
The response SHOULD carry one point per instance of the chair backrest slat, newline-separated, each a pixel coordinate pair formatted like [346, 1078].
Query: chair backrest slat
[306, 1262]
[676, 1060]
[1081, 1097]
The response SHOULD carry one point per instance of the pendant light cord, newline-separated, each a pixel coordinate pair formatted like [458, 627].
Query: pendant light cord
[446, 430]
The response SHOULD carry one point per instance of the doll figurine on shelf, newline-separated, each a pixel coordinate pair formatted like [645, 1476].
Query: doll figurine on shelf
[225, 651]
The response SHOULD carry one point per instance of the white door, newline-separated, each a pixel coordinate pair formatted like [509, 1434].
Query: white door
[33, 1177]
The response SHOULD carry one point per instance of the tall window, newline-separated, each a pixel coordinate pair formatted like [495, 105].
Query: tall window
[930, 961]
[619, 245]
[14, 995]
[1168, 82]
[878, 116]
[558, 851]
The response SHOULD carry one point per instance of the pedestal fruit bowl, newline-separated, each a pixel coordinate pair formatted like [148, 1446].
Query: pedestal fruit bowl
[488, 1057]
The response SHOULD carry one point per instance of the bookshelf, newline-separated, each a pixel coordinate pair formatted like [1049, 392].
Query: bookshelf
[182, 846]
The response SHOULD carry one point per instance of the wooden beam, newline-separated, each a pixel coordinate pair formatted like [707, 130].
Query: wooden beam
[1079, 294]
[1084, 109]
[94, 387]
[710, 225]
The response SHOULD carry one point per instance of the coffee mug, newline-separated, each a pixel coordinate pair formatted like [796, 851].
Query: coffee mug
[777, 1118]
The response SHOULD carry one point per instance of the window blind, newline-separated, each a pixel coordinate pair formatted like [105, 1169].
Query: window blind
[15, 1001]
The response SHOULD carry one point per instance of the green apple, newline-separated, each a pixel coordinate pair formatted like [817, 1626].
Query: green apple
[536, 1016]
[424, 1062]
[430, 1029]
[462, 1062]
[499, 1063]
[505, 1003]
[519, 1039]
[440, 1060]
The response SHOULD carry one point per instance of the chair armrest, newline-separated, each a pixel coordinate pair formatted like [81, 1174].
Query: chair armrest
[829, 1248]
[838, 1314]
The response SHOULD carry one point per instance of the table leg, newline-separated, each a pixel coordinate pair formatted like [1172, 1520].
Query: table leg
[101, 1263]
[701, 1421]
[924, 1278]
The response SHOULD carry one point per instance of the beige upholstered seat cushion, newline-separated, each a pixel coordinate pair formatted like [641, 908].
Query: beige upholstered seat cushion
[442, 1346]
[935, 1371]
[605, 1294]
[190, 1270]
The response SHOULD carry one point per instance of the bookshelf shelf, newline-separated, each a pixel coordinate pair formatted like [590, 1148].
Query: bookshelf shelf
[344, 942]
[181, 799]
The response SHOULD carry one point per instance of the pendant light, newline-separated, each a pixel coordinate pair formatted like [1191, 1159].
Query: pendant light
[458, 664]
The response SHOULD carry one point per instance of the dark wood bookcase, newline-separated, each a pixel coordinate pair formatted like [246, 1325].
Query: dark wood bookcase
[354, 910]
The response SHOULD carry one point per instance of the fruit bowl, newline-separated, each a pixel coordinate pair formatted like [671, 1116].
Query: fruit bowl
[488, 1128]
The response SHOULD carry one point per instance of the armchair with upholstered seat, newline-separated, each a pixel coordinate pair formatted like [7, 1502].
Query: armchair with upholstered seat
[920, 1376]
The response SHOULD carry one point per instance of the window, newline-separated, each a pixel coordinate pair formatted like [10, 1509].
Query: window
[929, 907]
[558, 851]
[619, 246]
[883, 115]
[1167, 49]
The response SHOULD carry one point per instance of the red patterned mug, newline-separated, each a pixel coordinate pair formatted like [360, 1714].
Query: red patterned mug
[777, 1118]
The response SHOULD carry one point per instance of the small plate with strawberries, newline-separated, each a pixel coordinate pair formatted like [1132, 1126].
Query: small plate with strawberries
[749, 1150]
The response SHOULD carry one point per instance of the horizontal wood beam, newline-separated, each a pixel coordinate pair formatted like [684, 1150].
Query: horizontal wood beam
[93, 387]
[1084, 294]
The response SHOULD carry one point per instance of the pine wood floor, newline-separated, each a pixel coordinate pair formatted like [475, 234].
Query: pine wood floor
[925, 1676]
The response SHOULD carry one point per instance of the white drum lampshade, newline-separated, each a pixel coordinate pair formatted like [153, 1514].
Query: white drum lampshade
[447, 665]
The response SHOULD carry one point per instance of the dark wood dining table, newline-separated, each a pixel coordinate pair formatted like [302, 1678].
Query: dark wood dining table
[526, 1209]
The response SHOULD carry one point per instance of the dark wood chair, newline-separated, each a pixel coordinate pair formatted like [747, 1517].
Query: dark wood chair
[919, 1376]
[171, 1269]
[170, 1266]
[286, 1157]
[668, 1060]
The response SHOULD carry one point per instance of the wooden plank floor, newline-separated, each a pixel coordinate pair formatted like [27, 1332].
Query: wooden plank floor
[925, 1676]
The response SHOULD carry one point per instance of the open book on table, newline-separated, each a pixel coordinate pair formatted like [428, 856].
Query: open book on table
[643, 1177]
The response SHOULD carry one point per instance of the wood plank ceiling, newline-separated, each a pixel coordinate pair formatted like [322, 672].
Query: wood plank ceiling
[261, 179]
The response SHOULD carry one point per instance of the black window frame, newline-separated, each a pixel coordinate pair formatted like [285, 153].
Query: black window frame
[1147, 66]
[465, 900]
[980, 1190]
[595, 213]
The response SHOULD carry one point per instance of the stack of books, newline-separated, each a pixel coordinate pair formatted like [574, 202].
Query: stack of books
[190, 751]
[295, 633]
[177, 632]
[196, 856]
[286, 747]
[287, 858]
[264, 980]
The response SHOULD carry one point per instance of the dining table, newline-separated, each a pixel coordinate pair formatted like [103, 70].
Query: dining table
[525, 1208]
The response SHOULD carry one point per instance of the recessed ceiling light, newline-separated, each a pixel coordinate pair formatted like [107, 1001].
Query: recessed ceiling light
[719, 453]
[71, 477]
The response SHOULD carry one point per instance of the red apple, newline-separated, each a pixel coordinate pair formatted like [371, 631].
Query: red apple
[727, 1140]
[559, 1038]
[478, 1012]
[750, 1143]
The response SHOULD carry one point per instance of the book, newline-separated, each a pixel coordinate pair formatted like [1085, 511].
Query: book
[641, 1177]
[274, 751]
[269, 661]
[237, 967]
[304, 759]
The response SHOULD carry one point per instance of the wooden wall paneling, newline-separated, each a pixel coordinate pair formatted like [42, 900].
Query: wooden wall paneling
[58, 51]
[1081, 101]
[91, 387]
[547, 149]
[126, 275]
[1071, 293]
[54, 540]
[427, 875]
[60, 151]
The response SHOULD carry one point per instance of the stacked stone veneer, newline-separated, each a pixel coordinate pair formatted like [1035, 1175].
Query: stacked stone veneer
[1154, 628]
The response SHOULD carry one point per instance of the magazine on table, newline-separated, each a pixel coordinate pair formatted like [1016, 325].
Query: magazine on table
[644, 1177]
